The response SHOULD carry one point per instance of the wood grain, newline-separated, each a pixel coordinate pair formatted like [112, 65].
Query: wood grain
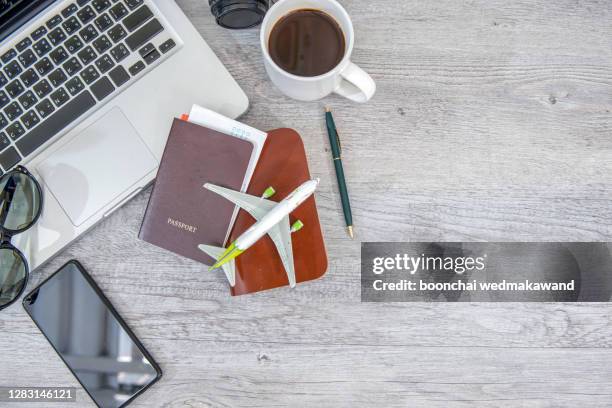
[492, 121]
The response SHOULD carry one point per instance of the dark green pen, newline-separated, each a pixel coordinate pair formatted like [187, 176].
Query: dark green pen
[336, 148]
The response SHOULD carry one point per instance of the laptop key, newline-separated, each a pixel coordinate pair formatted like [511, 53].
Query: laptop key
[9, 55]
[3, 80]
[167, 46]
[59, 55]
[105, 63]
[23, 44]
[29, 77]
[54, 21]
[71, 25]
[88, 33]
[56, 122]
[15, 88]
[82, 2]
[4, 99]
[42, 47]
[15, 131]
[74, 85]
[9, 158]
[39, 33]
[3, 121]
[44, 66]
[13, 111]
[137, 18]
[144, 34]
[100, 5]
[102, 88]
[70, 10]
[73, 44]
[12, 69]
[27, 58]
[101, 44]
[137, 67]
[103, 22]
[56, 36]
[117, 33]
[146, 50]
[45, 108]
[60, 97]
[89, 74]
[118, 11]
[43, 88]
[119, 75]
[72, 66]
[132, 4]
[87, 55]
[57, 77]
[119, 52]
[86, 14]
[152, 57]
[30, 119]
[4, 141]
[27, 100]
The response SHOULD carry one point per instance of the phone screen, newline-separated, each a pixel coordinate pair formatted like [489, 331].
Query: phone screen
[91, 338]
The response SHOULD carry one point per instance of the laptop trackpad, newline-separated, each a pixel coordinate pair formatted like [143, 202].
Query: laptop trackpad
[102, 162]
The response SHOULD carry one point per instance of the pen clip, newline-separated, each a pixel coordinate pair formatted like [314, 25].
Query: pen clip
[339, 143]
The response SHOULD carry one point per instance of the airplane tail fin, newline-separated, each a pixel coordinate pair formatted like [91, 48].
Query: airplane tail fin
[229, 268]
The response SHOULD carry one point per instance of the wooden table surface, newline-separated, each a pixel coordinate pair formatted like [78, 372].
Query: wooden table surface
[492, 121]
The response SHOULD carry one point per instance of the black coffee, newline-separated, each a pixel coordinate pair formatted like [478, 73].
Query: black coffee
[307, 43]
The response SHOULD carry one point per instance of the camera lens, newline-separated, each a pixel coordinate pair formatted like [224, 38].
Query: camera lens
[239, 13]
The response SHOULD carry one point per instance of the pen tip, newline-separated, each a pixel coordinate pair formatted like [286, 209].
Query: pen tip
[327, 109]
[350, 232]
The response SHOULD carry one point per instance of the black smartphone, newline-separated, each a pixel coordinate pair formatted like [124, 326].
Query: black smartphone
[90, 337]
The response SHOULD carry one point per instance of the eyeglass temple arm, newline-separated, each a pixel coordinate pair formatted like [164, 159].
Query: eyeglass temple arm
[7, 198]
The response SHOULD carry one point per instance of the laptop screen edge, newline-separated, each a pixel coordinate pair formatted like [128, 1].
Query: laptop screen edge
[13, 20]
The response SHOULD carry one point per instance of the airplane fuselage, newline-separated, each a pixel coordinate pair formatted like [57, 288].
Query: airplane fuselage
[276, 214]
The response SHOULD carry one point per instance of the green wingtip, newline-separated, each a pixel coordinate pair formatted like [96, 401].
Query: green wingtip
[298, 225]
[269, 192]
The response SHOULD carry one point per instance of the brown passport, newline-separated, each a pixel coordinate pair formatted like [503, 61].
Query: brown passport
[182, 214]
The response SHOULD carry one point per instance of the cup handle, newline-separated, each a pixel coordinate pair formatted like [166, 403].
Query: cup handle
[356, 85]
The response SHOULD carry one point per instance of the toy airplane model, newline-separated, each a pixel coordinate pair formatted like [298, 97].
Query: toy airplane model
[272, 219]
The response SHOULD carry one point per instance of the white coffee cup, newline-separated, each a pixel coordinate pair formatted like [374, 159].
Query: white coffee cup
[346, 79]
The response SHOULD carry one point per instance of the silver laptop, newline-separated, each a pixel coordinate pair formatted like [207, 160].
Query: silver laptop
[88, 91]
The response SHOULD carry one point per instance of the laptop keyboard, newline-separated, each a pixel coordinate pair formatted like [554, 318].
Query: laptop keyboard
[72, 63]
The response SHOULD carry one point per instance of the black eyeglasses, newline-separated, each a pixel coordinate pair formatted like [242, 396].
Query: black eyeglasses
[20, 207]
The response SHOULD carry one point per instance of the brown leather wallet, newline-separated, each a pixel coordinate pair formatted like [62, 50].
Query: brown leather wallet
[284, 166]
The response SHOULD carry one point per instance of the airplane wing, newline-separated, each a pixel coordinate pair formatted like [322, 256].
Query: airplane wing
[229, 268]
[256, 206]
[281, 235]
